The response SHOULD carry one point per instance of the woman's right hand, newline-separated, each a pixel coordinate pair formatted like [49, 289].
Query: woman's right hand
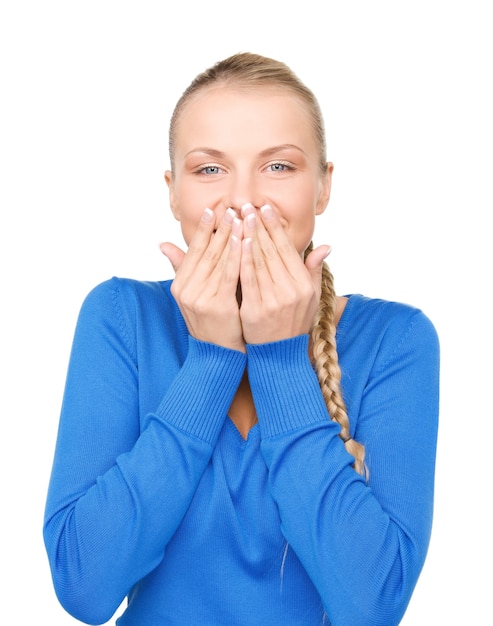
[206, 281]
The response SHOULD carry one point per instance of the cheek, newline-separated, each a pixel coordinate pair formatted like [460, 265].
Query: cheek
[188, 225]
[303, 235]
[300, 228]
[300, 216]
[188, 211]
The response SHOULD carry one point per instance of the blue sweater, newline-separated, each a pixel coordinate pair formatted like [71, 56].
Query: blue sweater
[155, 495]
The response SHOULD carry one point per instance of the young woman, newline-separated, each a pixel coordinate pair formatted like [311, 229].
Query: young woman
[240, 445]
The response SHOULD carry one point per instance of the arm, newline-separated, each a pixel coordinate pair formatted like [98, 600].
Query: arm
[122, 482]
[363, 545]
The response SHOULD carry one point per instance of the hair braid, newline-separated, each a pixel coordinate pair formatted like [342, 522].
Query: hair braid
[327, 366]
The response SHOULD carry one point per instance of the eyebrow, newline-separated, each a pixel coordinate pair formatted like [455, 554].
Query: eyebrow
[218, 154]
[209, 151]
[285, 146]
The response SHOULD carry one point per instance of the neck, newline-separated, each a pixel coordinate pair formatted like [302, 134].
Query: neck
[242, 410]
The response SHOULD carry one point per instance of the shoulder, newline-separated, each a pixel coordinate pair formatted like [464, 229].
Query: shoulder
[127, 301]
[126, 292]
[382, 315]
[387, 326]
[137, 313]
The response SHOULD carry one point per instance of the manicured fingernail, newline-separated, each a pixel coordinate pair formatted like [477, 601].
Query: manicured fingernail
[251, 220]
[229, 216]
[207, 216]
[247, 243]
[267, 212]
[234, 242]
[236, 228]
[247, 208]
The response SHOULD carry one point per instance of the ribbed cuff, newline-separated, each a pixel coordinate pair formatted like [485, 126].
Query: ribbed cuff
[284, 385]
[199, 398]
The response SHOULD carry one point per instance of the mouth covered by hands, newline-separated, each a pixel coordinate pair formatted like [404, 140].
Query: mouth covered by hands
[280, 292]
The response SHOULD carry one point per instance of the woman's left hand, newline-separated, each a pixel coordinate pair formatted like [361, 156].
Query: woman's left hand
[280, 293]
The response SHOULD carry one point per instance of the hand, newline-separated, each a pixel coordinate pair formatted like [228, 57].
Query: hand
[280, 293]
[206, 280]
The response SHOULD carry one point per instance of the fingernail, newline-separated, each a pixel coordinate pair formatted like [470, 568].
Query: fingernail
[267, 212]
[207, 216]
[236, 228]
[247, 208]
[229, 216]
[234, 242]
[250, 220]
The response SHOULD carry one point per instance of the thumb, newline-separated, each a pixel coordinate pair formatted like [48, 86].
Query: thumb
[173, 254]
[314, 262]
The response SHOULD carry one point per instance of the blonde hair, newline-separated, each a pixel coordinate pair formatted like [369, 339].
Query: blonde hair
[244, 71]
[324, 350]
[247, 70]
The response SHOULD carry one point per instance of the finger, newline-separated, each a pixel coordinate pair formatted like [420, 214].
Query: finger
[248, 274]
[221, 236]
[277, 247]
[224, 277]
[314, 264]
[198, 244]
[207, 246]
[230, 276]
[255, 255]
[221, 255]
[278, 254]
[220, 240]
[173, 254]
[271, 264]
[203, 233]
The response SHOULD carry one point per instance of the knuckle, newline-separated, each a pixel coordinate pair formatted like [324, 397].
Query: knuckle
[201, 306]
[210, 255]
[307, 292]
[259, 261]
[291, 298]
[285, 248]
[269, 251]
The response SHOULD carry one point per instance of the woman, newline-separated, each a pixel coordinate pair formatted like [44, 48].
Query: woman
[240, 445]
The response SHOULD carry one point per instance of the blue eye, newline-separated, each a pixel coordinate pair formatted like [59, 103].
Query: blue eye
[210, 169]
[280, 167]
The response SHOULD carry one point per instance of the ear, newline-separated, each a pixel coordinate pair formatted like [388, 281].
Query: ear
[168, 177]
[326, 184]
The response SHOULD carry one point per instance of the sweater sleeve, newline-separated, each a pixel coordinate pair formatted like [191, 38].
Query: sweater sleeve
[121, 483]
[362, 543]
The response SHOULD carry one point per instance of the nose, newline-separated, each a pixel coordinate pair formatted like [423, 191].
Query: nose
[243, 188]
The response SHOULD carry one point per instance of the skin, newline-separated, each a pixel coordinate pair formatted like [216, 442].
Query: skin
[246, 187]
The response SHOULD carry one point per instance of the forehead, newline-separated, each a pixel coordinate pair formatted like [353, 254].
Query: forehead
[228, 114]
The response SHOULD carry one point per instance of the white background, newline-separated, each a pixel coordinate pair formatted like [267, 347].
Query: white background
[87, 89]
